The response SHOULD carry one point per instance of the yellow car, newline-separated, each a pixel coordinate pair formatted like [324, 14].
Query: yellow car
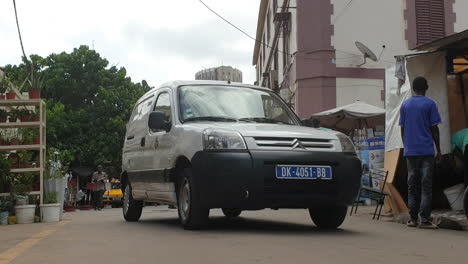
[114, 196]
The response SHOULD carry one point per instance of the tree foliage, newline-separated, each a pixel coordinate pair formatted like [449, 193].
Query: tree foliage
[88, 103]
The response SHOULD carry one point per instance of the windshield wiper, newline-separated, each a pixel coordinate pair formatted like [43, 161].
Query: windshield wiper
[263, 120]
[212, 118]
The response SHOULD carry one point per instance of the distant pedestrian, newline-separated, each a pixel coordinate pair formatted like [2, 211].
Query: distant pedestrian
[419, 119]
[99, 179]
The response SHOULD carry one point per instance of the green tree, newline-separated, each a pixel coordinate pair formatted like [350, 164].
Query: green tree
[88, 103]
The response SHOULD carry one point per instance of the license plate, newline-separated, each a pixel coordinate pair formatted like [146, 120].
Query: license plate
[304, 172]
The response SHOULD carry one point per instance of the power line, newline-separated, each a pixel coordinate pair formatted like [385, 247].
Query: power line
[342, 11]
[19, 32]
[240, 30]
[263, 43]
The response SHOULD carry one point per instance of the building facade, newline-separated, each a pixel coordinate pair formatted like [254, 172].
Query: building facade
[222, 73]
[308, 53]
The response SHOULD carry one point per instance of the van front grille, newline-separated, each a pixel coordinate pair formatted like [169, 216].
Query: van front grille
[293, 143]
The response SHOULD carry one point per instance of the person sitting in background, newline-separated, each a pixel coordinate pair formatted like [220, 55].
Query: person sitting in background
[460, 150]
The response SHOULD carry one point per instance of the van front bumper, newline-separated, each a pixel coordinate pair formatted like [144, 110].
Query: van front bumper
[247, 180]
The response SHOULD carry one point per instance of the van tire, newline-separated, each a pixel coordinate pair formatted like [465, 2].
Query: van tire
[328, 218]
[231, 212]
[465, 202]
[131, 208]
[192, 215]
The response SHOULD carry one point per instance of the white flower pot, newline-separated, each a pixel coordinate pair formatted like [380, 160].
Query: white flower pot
[50, 212]
[4, 218]
[25, 214]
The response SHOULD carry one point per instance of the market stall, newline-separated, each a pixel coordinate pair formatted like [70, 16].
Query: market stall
[364, 123]
[444, 63]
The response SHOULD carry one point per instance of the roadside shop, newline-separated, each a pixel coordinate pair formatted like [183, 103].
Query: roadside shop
[365, 125]
[444, 63]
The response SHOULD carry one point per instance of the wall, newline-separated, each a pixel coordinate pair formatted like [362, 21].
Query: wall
[374, 23]
[349, 91]
[461, 9]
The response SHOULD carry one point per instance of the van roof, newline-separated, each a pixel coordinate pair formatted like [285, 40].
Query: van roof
[175, 84]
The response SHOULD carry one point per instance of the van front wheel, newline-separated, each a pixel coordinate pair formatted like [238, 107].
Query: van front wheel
[131, 208]
[191, 214]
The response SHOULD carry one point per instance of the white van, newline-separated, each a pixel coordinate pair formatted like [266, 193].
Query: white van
[200, 145]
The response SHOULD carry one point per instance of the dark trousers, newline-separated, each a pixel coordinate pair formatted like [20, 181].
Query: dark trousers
[420, 175]
[97, 199]
[465, 161]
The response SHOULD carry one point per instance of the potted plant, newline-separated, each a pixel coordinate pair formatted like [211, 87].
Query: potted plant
[3, 115]
[24, 114]
[11, 94]
[35, 84]
[5, 179]
[3, 138]
[5, 208]
[3, 87]
[22, 186]
[25, 158]
[50, 210]
[14, 138]
[14, 114]
[35, 115]
[27, 136]
[36, 137]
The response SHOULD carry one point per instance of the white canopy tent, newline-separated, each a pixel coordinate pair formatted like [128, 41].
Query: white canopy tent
[356, 115]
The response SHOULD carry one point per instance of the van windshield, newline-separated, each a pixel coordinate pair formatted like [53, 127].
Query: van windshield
[233, 104]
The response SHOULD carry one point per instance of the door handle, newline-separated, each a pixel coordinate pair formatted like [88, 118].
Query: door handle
[143, 141]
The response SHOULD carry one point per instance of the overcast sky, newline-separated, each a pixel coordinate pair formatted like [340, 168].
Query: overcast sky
[156, 40]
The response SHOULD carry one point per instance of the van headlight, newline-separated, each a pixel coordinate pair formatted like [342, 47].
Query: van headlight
[346, 143]
[219, 139]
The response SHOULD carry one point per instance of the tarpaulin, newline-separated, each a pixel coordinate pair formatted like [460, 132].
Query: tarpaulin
[433, 68]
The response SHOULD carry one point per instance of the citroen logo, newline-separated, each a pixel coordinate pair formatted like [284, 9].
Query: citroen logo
[297, 144]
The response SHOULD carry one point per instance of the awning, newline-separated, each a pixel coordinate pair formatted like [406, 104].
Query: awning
[355, 110]
[457, 41]
[355, 115]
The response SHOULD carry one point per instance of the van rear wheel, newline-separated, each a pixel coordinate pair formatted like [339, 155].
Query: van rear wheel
[328, 218]
[191, 214]
[131, 208]
[231, 212]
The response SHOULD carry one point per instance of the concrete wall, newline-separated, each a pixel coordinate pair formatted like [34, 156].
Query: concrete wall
[374, 23]
[365, 22]
[351, 90]
[461, 9]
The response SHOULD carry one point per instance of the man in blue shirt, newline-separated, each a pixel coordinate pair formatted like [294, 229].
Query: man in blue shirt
[419, 118]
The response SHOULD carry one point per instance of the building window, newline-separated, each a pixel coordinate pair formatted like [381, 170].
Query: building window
[430, 20]
[275, 6]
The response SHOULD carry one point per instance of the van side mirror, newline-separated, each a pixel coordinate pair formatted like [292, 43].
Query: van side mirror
[157, 122]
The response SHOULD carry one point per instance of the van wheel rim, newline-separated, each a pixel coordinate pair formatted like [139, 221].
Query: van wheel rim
[184, 199]
[126, 202]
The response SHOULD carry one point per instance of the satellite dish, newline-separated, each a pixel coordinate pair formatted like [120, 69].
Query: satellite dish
[366, 52]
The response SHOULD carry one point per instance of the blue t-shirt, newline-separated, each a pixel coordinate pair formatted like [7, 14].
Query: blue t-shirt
[417, 115]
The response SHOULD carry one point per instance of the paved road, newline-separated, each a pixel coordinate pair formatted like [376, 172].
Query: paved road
[285, 236]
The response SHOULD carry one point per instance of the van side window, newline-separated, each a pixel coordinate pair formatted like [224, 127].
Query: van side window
[163, 104]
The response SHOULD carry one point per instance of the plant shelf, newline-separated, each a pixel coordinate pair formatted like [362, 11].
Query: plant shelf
[21, 147]
[20, 102]
[31, 193]
[21, 125]
[21, 170]
[40, 105]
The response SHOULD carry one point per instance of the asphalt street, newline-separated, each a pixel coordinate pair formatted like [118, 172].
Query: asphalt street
[284, 236]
